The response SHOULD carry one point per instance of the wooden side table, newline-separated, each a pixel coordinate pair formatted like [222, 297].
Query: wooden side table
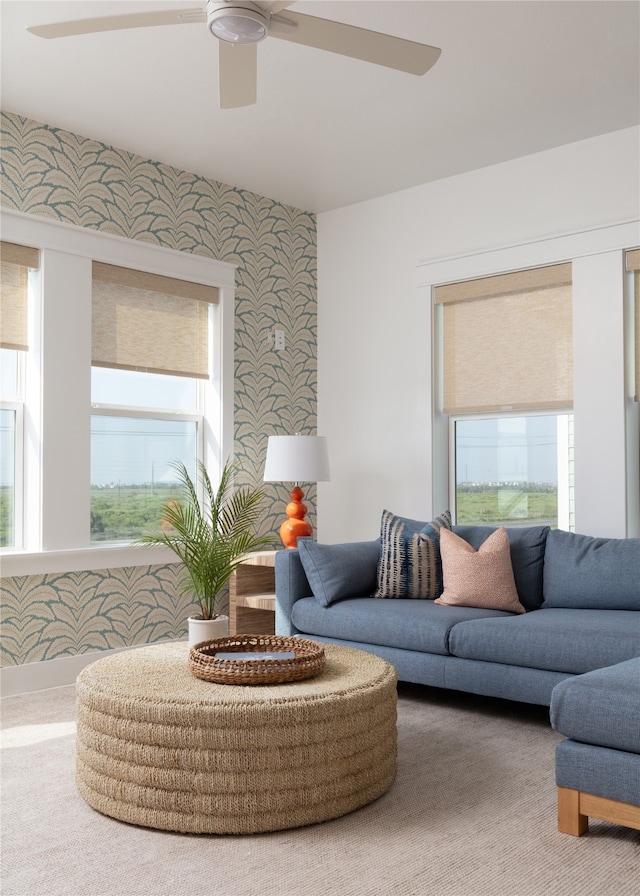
[252, 596]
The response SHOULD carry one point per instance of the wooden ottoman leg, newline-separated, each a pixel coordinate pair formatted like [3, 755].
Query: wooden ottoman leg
[570, 819]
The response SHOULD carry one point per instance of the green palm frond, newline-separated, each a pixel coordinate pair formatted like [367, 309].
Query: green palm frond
[210, 540]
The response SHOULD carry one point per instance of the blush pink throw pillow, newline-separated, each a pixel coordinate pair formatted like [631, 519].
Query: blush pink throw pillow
[482, 578]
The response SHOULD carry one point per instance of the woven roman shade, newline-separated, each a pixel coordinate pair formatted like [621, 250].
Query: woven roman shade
[508, 341]
[632, 259]
[15, 262]
[150, 323]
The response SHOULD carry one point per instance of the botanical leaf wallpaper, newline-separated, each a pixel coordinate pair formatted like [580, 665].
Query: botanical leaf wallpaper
[54, 615]
[52, 173]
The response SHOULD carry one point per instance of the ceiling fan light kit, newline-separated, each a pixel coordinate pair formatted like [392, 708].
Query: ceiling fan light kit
[237, 23]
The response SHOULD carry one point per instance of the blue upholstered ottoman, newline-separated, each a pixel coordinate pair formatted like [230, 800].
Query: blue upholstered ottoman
[598, 766]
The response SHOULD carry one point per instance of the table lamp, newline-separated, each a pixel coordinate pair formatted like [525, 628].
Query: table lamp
[296, 459]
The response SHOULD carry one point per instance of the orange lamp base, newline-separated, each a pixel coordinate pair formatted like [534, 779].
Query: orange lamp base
[296, 526]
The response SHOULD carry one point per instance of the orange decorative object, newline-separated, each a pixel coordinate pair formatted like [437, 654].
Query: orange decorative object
[296, 526]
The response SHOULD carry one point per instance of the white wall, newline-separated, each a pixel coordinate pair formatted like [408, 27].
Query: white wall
[374, 321]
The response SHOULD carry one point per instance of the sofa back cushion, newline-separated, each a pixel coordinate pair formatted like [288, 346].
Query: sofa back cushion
[336, 571]
[527, 548]
[582, 572]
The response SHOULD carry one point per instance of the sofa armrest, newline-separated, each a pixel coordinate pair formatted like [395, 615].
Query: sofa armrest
[291, 585]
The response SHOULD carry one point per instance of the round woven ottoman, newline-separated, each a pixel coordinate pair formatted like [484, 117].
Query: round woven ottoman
[158, 747]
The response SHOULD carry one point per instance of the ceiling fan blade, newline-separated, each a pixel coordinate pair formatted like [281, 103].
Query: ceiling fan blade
[273, 6]
[238, 74]
[118, 23]
[358, 43]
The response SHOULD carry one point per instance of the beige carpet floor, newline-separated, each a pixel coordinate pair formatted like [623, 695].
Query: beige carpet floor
[472, 812]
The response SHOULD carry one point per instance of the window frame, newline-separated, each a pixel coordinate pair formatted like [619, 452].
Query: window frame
[611, 508]
[67, 252]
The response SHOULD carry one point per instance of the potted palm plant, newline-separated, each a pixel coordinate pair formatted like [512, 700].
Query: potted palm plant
[210, 540]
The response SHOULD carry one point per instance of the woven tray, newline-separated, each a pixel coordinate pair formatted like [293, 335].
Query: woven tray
[308, 660]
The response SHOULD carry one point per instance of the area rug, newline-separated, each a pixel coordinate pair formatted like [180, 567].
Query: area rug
[472, 812]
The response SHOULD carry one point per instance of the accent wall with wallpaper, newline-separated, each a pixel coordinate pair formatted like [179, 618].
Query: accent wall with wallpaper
[51, 173]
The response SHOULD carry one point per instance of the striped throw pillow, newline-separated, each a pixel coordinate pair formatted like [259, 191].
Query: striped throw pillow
[410, 564]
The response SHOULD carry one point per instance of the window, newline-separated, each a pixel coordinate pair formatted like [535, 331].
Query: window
[10, 446]
[9, 451]
[513, 470]
[131, 474]
[632, 259]
[150, 350]
[76, 378]
[18, 267]
[506, 358]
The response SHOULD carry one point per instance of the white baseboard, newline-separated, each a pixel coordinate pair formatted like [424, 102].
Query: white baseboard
[56, 673]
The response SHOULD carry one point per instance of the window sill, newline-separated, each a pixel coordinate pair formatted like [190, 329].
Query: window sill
[113, 556]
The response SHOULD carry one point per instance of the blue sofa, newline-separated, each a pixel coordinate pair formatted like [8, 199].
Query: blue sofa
[582, 602]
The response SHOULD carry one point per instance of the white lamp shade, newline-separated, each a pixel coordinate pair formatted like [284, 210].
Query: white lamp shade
[297, 459]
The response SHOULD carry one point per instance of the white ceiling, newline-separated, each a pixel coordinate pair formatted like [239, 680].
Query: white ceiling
[515, 77]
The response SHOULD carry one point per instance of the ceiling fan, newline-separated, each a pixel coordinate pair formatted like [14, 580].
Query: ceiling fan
[240, 25]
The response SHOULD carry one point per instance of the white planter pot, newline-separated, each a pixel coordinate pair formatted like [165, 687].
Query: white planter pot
[207, 629]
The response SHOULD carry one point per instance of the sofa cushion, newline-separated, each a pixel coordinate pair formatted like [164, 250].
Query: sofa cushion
[601, 707]
[561, 640]
[404, 623]
[612, 774]
[336, 571]
[410, 565]
[482, 578]
[527, 547]
[590, 573]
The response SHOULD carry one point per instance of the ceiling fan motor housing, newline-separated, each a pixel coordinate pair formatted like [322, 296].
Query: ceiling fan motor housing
[239, 22]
